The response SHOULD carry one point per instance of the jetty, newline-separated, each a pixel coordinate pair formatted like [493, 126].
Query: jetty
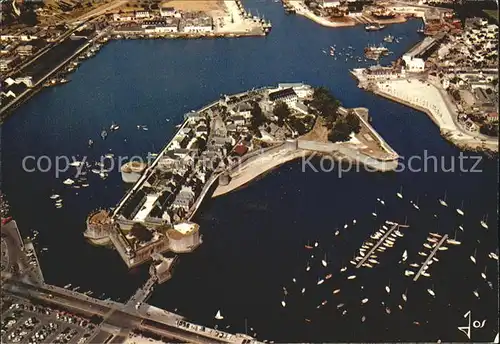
[433, 252]
[379, 242]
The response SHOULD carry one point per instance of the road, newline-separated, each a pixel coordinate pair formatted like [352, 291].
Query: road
[116, 314]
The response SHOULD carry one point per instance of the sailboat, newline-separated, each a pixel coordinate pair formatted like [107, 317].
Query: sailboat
[364, 301]
[483, 274]
[476, 293]
[405, 255]
[336, 291]
[443, 201]
[473, 257]
[283, 303]
[484, 223]
[459, 210]
[415, 205]
[388, 288]
[219, 316]
[303, 290]
[431, 292]
[308, 267]
[400, 193]
[403, 296]
[323, 261]
[453, 241]
[320, 281]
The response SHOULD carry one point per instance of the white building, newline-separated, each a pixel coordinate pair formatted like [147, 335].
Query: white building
[142, 15]
[330, 3]
[286, 95]
[414, 64]
[167, 11]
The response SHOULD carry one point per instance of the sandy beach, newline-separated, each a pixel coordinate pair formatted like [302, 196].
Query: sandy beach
[433, 100]
[301, 9]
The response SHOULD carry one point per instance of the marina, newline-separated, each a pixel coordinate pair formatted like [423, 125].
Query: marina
[425, 265]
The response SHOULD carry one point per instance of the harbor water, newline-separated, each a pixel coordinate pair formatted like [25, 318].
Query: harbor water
[254, 238]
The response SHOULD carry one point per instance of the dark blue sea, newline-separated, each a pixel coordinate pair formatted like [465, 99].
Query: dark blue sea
[254, 238]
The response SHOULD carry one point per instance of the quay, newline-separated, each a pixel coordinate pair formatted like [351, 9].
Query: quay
[116, 320]
[379, 242]
[433, 252]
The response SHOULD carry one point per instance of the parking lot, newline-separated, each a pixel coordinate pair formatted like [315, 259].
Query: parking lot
[23, 322]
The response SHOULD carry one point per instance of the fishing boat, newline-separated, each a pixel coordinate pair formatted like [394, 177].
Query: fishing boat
[459, 210]
[400, 193]
[473, 257]
[443, 201]
[484, 221]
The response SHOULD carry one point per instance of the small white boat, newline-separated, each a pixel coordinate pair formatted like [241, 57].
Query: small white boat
[323, 262]
[493, 255]
[340, 305]
[484, 222]
[409, 273]
[308, 267]
[423, 254]
[453, 241]
[337, 233]
[431, 292]
[54, 196]
[316, 244]
[364, 301]
[473, 257]
[483, 274]
[427, 246]
[343, 269]
[354, 221]
[303, 291]
[336, 291]
[443, 248]
[426, 274]
[414, 265]
[415, 205]
[435, 235]
[443, 201]
[461, 228]
[400, 193]
[403, 296]
[294, 280]
[385, 227]
[374, 214]
[219, 316]
[476, 293]
[68, 181]
[320, 281]
[75, 163]
[459, 210]
[345, 226]
[388, 288]
[351, 277]
[405, 255]
[363, 318]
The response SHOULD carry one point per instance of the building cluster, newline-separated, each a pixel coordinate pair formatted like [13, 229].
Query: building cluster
[167, 20]
[154, 216]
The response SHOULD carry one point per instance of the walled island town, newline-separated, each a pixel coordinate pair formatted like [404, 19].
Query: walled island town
[243, 171]
[220, 148]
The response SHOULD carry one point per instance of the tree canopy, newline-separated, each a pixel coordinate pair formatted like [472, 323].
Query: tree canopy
[282, 111]
[325, 103]
[258, 117]
[343, 128]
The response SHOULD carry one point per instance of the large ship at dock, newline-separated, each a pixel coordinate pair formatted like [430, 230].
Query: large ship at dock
[374, 27]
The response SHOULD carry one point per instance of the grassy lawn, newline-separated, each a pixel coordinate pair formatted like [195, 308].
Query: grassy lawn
[492, 13]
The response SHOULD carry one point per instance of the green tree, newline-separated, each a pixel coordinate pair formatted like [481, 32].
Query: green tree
[282, 111]
[258, 117]
[340, 132]
[325, 104]
[353, 122]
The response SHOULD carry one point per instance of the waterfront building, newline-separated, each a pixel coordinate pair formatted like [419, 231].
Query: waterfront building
[413, 64]
[286, 95]
[167, 11]
[197, 23]
[330, 3]
[25, 50]
[8, 63]
[184, 237]
[184, 199]
[141, 14]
